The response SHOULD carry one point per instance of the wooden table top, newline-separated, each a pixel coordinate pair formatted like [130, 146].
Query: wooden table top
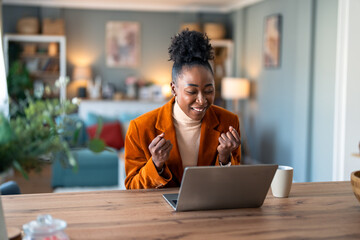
[314, 210]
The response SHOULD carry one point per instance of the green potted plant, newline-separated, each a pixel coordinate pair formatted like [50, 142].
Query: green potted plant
[31, 139]
[18, 81]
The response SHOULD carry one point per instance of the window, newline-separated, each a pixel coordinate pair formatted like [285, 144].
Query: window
[4, 104]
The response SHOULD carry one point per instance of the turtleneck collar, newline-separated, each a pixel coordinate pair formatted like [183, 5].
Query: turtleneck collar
[181, 117]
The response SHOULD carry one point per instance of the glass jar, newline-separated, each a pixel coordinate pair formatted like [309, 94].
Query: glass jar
[45, 228]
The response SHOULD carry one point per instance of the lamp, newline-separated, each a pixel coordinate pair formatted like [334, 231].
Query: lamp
[166, 90]
[235, 89]
[81, 75]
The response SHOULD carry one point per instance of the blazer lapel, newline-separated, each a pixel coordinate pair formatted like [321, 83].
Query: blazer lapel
[208, 139]
[165, 124]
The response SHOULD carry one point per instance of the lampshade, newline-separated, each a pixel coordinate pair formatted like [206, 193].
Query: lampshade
[81, 73]
[235, 88]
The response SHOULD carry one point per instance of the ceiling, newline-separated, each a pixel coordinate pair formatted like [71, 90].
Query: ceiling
[216, 6]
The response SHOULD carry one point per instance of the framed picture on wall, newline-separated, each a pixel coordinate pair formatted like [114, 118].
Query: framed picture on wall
[122, 44]
[272, 41]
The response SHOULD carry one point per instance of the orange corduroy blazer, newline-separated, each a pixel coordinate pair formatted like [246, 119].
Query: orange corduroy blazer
[140, 169]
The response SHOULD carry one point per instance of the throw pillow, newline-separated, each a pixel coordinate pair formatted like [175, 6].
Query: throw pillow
[111, 133]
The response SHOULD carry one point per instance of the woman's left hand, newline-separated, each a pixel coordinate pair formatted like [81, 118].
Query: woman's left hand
[228, 142]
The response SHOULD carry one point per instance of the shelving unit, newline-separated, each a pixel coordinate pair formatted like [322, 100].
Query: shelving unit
[222, 65]
[45, 66]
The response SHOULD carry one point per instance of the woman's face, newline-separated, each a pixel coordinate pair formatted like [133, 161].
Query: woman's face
[195, 91]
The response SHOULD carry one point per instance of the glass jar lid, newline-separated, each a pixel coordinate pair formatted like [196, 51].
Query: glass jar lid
[44, 225]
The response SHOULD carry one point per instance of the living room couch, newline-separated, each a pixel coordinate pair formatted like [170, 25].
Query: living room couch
[105, 168]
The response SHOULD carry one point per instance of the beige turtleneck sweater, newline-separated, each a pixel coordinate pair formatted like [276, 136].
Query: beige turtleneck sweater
[187, 136]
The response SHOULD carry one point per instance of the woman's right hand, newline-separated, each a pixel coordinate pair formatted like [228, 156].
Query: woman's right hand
[160, 151]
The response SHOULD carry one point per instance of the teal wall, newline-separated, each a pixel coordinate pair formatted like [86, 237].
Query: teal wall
[86, 32]
[85, 35]
[323, 90]
[12, 14]
[288, 119]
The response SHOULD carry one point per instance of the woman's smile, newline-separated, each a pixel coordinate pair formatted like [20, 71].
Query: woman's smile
[199, 109]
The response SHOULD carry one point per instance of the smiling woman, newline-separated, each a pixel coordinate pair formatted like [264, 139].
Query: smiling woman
[187, 131]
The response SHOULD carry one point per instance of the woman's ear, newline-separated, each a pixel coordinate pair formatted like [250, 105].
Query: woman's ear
[173, 88]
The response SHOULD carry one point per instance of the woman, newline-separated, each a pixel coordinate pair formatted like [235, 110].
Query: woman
[188, 130]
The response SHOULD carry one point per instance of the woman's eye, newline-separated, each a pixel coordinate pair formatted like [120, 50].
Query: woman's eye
[191, 92]
[209, 92]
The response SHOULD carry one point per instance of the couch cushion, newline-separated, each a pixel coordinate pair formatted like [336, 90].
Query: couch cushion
[111, 133]
[93, 170]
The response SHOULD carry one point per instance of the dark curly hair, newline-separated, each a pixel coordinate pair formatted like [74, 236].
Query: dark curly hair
[189, 48]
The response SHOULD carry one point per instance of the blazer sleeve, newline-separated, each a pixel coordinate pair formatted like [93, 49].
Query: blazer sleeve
[139, 167]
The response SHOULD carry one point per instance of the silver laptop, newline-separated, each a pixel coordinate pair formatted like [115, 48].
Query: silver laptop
[215, 187]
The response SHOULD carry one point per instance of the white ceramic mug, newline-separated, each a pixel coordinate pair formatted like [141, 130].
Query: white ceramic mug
[281, 184]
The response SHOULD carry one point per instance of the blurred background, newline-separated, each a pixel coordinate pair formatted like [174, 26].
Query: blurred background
[278, 56]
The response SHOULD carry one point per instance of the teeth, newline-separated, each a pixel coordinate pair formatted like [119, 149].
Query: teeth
[199, 109]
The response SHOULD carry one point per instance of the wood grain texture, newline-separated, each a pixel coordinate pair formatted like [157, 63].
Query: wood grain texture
[313, 211]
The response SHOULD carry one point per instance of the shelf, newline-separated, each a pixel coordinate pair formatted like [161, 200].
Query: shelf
[34, 38]
[45, 74]
[41, 66]
[38, 55]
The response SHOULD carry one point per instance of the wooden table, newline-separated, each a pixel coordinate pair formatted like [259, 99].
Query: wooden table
[313, 211]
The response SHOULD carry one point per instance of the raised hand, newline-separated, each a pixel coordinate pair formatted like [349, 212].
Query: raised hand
[228, 142]
[160, 150]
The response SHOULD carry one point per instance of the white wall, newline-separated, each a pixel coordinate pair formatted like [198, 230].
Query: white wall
[347, 115]
[352, 134]
[3, 86]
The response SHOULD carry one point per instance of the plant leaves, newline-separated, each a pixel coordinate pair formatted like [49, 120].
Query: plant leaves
[99, 127]
[6, 133]
[97, 145]
[109, 149]
[18, 167]
[76, 134]
[71, 160]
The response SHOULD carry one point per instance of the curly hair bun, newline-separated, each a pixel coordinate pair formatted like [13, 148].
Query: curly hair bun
[188, 46]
